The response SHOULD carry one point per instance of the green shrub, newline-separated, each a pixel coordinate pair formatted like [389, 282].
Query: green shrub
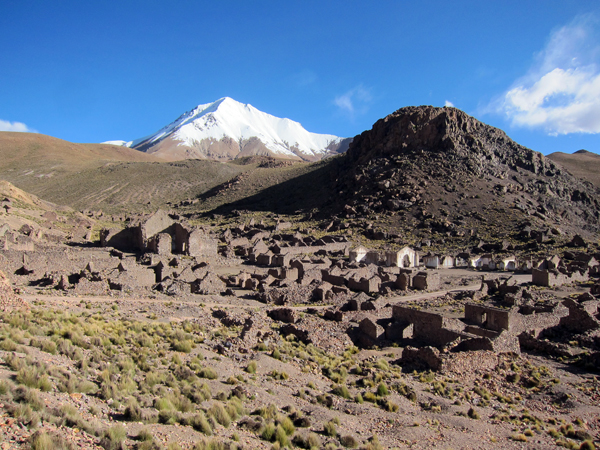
[349, 441]
[41, 440]
[268, 432]
[288, 426]
[32, 377]
[281, 436]
[45, 345]
[209, 373]
[268, 412]
[114, 437]
[370, 397]
[144, 435]
[519, 437]
[24, 414]
[8, 345]
[382, 390]
[390, 406]
[341, 390]
[23, 394]
[184, 346]
[251, 367]
[86, 387]
[212, 444]
[307, 440]
[472, 413]
[329, 429]
[200, 423]
[382, 364]
[173, 446]
[234, 408]
[169, 416]
[133, 411]
[220, 414]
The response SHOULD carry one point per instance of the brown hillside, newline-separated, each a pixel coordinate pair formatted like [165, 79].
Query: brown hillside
[115, 179]
[17, 149]
[582, 164]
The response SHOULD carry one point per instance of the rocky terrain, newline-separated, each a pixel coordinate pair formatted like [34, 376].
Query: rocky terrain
[436, 287]
[441, 170]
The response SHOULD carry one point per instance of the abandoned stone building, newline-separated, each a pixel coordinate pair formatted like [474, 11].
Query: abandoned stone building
[556, 271]
[161, 234]
[483, 327]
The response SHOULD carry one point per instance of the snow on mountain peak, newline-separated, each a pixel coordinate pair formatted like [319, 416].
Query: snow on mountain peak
[229, 120]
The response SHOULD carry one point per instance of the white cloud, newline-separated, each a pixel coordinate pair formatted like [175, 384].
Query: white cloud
[449, 103]
[561, 91]
[15, 126]
[355, 101]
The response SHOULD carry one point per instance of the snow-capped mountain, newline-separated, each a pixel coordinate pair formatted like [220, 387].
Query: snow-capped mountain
[227, 129]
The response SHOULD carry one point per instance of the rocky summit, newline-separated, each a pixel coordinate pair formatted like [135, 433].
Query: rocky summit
[441, 170]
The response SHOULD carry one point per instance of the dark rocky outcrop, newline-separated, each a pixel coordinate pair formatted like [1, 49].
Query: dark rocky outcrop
[444, 171]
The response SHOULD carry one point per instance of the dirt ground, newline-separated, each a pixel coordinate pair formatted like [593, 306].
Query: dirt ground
[476, 408]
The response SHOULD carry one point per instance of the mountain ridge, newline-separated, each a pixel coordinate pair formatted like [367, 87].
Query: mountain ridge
[226, 129]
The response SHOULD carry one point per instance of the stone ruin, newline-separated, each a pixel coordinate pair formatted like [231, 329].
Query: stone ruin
[575, 267]
[482, 328]
[161, 234]
[9, 301]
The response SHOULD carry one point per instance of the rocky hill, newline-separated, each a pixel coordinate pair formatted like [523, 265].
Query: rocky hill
[447, 174]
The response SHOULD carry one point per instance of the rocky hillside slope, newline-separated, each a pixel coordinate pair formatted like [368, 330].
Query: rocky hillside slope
[440, 170]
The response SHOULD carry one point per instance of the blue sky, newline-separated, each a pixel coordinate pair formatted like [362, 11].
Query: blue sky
[97, 71]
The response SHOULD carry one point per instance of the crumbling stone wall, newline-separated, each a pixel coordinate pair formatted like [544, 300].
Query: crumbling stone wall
[550, 278]
[201, 244]
[495, 319]
[428, 327]
[426, 281]
[581, 315]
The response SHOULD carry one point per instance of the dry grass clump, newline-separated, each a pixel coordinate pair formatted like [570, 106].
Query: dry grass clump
[341, 390]
[214, 444]
[220, 414]
[200, 423]
[307, 440]
[473, 414]
[251, 367]
[330, 429]
[42, 440]
[519, 437]
[142, 366]
[348, 441]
